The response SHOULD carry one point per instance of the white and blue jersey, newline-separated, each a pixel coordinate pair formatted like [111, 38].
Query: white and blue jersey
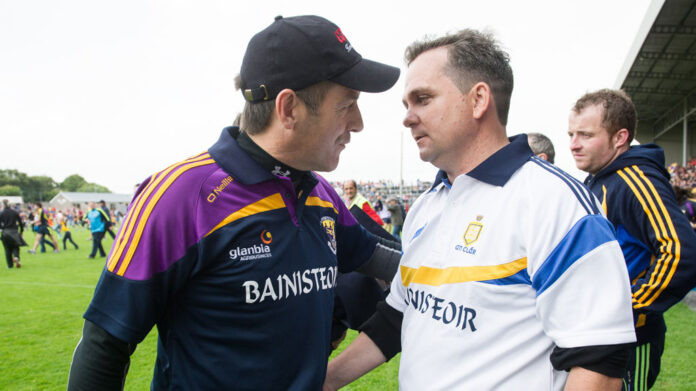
[499, 267]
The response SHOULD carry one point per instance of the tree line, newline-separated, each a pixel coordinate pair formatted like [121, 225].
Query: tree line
[41, 188]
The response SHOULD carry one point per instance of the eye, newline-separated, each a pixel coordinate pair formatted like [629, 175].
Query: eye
[423, 99]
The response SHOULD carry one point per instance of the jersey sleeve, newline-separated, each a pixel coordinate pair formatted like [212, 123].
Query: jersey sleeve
[649, 212]
[577, 270]
[153, 256]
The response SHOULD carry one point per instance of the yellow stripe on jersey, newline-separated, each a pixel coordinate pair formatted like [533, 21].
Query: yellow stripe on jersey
[272, 202]
[425, 275]
[316, 201]
[666, 234]
[150, 206]
[604, 199]
[132, 215]
[137, 221]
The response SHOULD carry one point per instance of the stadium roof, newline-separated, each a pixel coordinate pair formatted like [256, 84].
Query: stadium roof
[660, 71]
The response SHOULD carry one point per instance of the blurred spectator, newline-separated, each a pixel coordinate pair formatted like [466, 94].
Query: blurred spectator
[108, 223]
[11, 237]
[397, 216]
[353, 198]
[687, 204]
[97, 224]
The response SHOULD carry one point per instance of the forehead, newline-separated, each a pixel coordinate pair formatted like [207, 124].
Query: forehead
[588, 117]
[426, 69]
[348, 185]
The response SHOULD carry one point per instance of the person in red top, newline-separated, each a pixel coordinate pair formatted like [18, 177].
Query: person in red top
[352, 197]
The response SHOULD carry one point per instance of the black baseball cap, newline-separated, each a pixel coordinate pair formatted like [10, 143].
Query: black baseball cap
[299, 51]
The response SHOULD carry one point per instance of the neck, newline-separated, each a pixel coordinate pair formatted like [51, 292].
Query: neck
[279, 146]
[617, 153]
[486, 142]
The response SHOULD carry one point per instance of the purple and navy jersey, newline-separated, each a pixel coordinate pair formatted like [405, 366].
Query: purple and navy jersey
[235, 267]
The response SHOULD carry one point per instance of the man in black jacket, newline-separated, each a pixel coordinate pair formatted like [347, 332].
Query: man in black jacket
[12, 229]
[656, 238]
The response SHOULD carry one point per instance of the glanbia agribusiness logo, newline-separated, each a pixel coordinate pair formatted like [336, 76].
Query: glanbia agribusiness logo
[255, 251]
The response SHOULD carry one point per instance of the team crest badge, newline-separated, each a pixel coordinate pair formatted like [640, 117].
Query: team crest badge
[329, 225]
[473, 231]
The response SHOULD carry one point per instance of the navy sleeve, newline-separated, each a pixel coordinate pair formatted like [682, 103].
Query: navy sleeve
[649, 212]
[609, 360]
[355, 246]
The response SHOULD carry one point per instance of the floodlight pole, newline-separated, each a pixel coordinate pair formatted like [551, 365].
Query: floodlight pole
[401, 164]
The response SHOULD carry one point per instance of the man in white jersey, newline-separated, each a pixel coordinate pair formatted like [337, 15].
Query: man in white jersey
[511, 278]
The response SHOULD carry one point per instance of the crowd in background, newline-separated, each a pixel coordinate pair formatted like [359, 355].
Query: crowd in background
[47, 222]
[683, 180]
[379, 191]
[683, 176]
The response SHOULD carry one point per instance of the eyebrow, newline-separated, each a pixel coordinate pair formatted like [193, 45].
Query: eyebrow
[416, 92]
[353, 94]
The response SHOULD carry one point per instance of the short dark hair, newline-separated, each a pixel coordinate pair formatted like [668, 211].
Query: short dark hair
[473, 56]
[539, 143]
[619, 111]
[257, 115]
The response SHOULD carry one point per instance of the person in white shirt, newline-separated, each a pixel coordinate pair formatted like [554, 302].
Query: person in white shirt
[511, 277]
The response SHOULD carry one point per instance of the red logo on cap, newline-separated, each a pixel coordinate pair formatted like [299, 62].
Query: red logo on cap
[339, 35]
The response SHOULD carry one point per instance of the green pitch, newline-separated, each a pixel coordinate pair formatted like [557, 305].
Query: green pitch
[41, 321]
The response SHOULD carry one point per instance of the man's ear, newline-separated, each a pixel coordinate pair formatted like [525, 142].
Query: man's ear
[480, 95]
[287, 108]
[620, 138]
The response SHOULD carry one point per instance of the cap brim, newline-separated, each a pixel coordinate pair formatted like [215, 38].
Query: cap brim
[369, 76]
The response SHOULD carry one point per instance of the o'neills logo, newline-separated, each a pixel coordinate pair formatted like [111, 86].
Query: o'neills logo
[216, 191]
[257, 251]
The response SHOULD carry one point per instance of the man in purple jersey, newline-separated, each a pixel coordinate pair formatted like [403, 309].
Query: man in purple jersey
[241, 286]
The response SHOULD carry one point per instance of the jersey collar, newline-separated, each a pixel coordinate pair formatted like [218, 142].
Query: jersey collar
[499, 167]
[235, 161]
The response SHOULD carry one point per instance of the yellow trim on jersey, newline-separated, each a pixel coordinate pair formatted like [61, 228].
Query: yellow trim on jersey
[316, 201]
[153, 181]
[272, 202]
[136, 206]
[136, 221]
[150, 206]
[604, 199]
[425, 275]
[666, 234]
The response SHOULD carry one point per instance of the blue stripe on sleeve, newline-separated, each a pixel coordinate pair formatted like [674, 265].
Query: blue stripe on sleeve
[588, 233]
[581, 192]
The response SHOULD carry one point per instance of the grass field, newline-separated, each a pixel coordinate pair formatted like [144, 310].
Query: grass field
[41, 320]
